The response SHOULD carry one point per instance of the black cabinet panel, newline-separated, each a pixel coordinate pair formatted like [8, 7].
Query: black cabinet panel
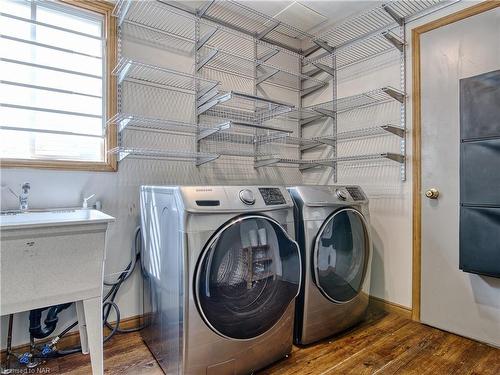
[480, 240]
[480, 106]
[480, 172]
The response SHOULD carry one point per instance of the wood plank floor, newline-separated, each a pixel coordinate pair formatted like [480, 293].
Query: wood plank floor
[385, 343]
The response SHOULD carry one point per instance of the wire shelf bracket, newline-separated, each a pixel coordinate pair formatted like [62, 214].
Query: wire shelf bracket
[395, 16]
[323, 68]
[313, 72]
[266, 56]
[200, 160]
[322, 44]
[207, 132]
[210, 55]
[309, 120]
[395, 94]
[205, 38]
[394, 40]
[266, 31]
[265, 77]
[200, 12]
[310, 90]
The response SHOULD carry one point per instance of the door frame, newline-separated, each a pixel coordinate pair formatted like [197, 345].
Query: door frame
[417, 138]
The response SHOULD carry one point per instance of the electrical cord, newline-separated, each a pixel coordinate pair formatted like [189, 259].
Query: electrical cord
[108, 303]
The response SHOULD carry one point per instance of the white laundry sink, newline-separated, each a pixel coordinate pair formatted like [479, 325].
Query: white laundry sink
[30, 219]
[53, 257]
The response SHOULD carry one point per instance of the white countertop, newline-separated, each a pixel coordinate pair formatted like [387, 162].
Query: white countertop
[54, 217]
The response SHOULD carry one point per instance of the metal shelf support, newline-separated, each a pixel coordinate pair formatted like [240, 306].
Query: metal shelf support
[322, 44]
[396, 130]
[205, 38]
[394, 40]
[200, 12]
[270, 28]
[311, 73]
[308, 120]
[395, 16]
[266, 56]
[310, 90]
[265, 77]
[326, 112]
[325, 68]
[205, 60]
[204, 133]
[395, 94]
[200, 160]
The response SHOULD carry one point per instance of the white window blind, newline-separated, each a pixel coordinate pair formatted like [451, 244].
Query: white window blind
[52, 73]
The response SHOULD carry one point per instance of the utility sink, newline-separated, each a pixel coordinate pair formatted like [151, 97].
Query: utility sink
[53, 257]
[30, 219]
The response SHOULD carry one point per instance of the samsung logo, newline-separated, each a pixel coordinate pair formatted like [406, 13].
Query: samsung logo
[203, 189]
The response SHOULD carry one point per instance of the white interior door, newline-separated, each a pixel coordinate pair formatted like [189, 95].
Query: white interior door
[453, 300]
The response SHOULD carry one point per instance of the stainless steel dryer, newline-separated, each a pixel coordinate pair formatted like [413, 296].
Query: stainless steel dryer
[333, 232]
[222, 272]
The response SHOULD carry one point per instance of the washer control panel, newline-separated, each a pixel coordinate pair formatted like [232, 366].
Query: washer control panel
[272, 196]
[247, 197]
[356, 193]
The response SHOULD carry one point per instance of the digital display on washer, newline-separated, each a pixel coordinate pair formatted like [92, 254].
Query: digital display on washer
[355, 193]
[272, 196]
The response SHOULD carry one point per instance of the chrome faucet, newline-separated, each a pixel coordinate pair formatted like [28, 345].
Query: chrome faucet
[23, 197]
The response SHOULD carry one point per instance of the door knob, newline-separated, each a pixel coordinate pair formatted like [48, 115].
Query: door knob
[432, 193]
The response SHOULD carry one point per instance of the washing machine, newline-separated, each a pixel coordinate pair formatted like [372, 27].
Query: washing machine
[222, 271]
[333, 231]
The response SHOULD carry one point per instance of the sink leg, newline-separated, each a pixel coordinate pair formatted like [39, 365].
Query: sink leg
[82, 326]
[93, 317]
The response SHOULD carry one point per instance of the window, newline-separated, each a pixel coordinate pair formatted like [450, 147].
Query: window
[56, 90]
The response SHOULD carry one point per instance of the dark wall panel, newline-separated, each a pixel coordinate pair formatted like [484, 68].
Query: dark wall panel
[480, 171]
[480, 174]
[480, 240]
[480, 106]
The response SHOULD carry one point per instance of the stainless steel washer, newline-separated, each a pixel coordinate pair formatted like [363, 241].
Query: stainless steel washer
[222, 272]
[333, 231]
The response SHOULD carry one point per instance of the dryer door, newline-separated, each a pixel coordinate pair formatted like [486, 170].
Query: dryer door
[341, 255]
[247, 276]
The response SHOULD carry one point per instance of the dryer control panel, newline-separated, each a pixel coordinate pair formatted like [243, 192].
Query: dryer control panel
[272, 196]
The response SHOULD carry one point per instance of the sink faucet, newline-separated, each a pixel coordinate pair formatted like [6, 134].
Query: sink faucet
[23, 197]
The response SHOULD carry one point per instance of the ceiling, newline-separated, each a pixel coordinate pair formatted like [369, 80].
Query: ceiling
[310, 16]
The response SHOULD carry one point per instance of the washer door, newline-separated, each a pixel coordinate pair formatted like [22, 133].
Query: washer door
[341, 255]
[247, 276]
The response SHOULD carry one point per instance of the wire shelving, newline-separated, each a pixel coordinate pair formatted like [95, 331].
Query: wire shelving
[230, 37]
[376, 20]
[131, 70]
[331, 108]
[362, 50]
[331, 162]
[244, 108]
[131, 152]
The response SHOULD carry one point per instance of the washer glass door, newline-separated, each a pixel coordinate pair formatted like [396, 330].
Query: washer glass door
[341, 254]
[247, 276]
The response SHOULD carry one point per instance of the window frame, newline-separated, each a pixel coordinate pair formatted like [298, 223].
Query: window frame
[110, 94]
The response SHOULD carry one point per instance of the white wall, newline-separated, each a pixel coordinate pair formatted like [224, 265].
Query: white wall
[390, 198]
